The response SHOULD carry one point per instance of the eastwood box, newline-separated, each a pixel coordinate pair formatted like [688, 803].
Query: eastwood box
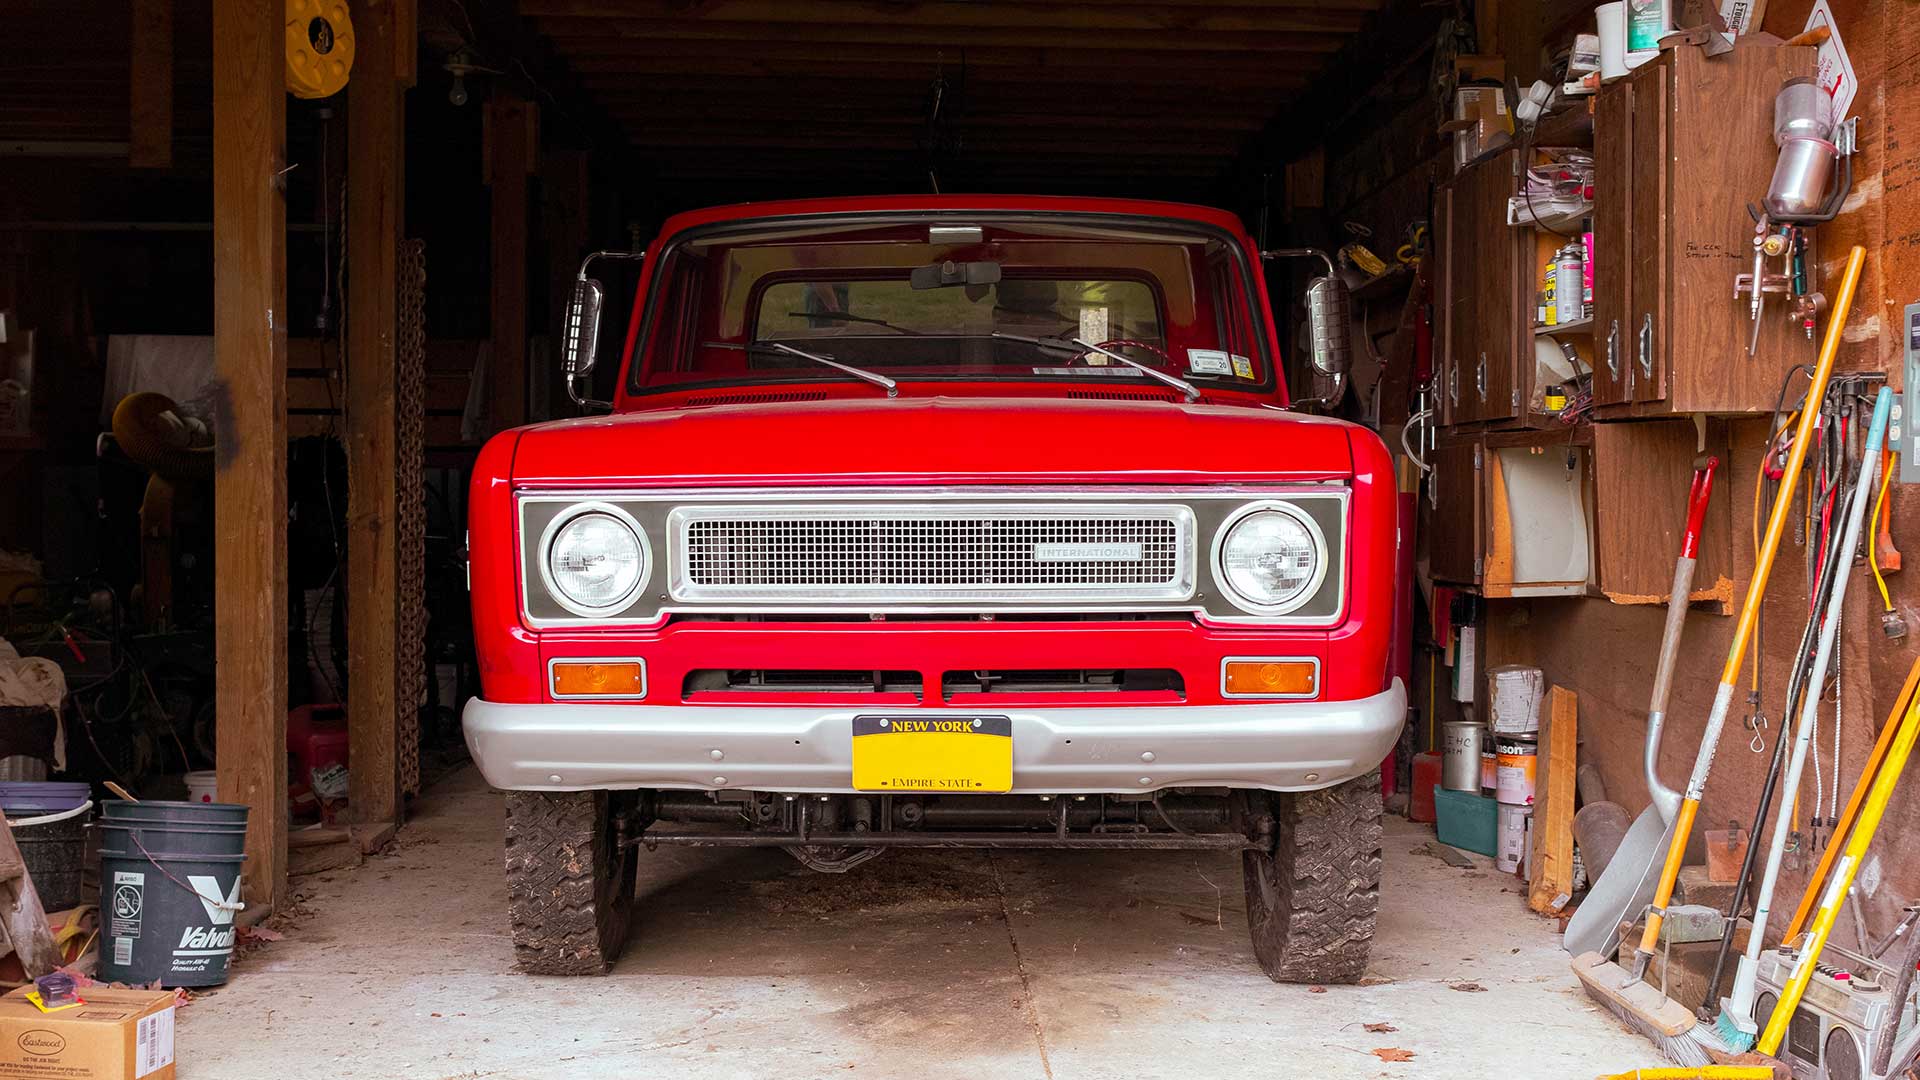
[115, 1035]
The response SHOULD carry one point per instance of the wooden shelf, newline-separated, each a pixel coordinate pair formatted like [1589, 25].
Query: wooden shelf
[1571, 127]
[1578, 326]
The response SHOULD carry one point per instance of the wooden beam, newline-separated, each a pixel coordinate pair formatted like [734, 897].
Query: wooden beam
[250, 428]
[1552, 884]
[949, 40]
[1283, 70]
[150, 85]
[690, 94]
[564, 208]
[510, 148]
[375, 143]
[1213, 19]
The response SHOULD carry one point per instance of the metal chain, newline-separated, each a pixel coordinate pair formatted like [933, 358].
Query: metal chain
[410, 503]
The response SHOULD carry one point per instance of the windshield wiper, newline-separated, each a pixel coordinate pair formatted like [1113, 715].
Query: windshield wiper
[1075, 345]
[844, 316]
[892, 388]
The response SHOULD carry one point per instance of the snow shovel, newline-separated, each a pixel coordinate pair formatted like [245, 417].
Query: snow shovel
[1627, 885]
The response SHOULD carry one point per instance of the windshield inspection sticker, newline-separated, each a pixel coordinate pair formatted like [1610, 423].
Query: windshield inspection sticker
[1242, 366]
[1208, 362]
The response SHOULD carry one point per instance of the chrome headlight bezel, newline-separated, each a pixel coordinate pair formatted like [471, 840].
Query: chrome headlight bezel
[1302, 596]
[544, 559]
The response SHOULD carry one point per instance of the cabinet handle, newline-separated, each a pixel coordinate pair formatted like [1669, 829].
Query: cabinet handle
[1646, 345]
[1613, 350]
[1480, 377]
[1453, 383]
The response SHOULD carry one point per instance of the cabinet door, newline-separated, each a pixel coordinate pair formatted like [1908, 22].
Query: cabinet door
[1503, 286]
[1612, 209]
[1463, 315]
[1453, 519]
[1648, 288]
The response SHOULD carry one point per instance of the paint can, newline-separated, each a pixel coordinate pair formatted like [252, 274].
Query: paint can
[1513, 782]
[1515, 691]
[1510, 837]
[1460, 743]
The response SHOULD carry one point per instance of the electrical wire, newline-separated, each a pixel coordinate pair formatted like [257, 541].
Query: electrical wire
[1873, 534]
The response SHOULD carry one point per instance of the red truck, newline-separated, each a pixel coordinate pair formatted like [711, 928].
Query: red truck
[941, 522]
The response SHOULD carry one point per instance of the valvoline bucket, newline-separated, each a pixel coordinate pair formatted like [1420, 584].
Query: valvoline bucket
[169, 890]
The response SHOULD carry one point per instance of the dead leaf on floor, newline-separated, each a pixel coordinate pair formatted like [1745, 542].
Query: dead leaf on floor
[1316, 989]
[1196, 919]
[1468, 988]
[1393, 1053]
[1381, 1029]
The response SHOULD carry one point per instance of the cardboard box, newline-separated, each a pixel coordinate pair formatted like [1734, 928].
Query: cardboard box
[116, 1035]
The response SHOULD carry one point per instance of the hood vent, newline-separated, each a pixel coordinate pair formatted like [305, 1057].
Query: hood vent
[750, 398]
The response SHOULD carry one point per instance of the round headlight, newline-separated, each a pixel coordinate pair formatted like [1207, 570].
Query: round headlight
[595, 561]
[1271, 559]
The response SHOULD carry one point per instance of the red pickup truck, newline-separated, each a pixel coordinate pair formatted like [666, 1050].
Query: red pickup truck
[940, 522]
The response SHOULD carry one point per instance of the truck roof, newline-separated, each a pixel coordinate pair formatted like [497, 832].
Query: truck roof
[1056, 204]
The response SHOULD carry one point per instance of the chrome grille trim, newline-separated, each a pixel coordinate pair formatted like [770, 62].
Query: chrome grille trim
[909, 552]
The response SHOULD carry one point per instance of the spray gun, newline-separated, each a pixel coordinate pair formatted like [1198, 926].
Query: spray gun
[1811, 179]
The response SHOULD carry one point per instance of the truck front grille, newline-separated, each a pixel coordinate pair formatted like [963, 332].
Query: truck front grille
[932, 554]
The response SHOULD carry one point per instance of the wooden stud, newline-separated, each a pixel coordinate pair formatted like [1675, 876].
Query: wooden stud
[510, 148]
[250, 428]
[1552, 883]
[1066, 18]
[374, 186]
[150, 85]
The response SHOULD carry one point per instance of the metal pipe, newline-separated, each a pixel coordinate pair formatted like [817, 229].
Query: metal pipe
[1083, 842]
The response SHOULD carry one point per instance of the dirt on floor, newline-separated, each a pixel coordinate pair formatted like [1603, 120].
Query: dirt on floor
[931, 964]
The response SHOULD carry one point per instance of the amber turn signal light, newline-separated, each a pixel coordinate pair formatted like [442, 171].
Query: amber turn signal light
[1264, 678]
[624, 678]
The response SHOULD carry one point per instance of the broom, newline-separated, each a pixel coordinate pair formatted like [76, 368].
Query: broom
[1667, 1023]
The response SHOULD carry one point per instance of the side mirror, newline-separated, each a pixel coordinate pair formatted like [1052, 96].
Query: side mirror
[1329, 322]
[583, 333]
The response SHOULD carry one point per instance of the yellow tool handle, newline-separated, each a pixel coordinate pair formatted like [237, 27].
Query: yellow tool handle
[1750, 607]
[1796, 458]
[1862, 836]
[1839, 839]
[1707, 1072]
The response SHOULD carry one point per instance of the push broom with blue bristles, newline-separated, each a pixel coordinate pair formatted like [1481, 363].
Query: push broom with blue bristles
[1669, 1024]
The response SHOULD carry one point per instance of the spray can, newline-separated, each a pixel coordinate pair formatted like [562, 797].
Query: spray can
[1567, 286]
[1549, 300]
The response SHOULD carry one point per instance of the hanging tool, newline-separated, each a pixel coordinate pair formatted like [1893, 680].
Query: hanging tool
[1808, 954]
[1735, 1026]
[1596, 923]
[1847, 817]
[1607, 982]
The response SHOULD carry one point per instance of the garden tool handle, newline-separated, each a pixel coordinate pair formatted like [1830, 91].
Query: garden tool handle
[1666, 799]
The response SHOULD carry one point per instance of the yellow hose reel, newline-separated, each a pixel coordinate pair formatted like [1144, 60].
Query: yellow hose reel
[319, 47]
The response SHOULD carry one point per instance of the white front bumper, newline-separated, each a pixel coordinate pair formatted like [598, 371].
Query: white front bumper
[1281, 746]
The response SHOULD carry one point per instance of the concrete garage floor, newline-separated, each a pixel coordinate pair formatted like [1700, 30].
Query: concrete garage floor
[954, 964]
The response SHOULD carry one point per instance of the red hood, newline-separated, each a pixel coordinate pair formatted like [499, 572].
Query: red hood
[935, 440]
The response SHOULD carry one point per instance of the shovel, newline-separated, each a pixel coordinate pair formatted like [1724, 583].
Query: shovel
[1631, 877]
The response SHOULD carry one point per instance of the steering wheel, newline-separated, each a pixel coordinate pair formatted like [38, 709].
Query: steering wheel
[1166, 360]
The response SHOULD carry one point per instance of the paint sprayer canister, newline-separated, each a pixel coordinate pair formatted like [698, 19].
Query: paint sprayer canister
[170, 891]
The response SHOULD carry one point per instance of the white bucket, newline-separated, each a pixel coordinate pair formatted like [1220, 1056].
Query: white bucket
[1510, 838]
[200, 786]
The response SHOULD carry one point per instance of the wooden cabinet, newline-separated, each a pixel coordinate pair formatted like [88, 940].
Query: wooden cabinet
[1454, 533]
[1681, 148]
[1482, 296]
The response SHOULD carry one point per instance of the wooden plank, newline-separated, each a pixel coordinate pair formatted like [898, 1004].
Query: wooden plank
[21, 913]
[510, 150]
[1552, 883]
[150, 85]
[375, 126]
[250, 492]
[1193, 22]
[907, 32]
[1641, 471]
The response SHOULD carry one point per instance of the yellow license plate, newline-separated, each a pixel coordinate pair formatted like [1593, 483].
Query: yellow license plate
[910, 753]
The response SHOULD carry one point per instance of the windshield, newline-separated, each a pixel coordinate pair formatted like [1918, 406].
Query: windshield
[931, 300]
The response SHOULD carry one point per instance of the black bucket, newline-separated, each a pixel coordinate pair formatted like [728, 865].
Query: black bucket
[54, 851]
[169, 890]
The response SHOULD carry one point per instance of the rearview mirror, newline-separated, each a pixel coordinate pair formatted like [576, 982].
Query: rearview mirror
[947, 274]
[583, 334]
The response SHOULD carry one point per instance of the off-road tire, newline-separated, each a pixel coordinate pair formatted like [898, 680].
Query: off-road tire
[1314, 900]
[569, 881]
